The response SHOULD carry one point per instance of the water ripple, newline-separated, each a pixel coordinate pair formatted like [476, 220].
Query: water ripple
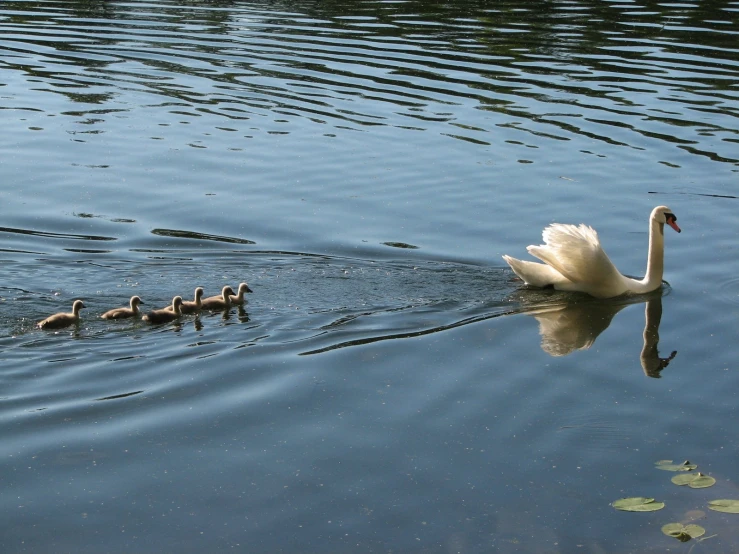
[729, 290]
[386, 64]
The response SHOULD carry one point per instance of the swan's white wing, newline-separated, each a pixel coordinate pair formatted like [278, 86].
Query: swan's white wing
[576, 253]
[534, 273]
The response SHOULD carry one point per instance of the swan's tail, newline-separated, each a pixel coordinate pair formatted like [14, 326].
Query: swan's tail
[534, 273]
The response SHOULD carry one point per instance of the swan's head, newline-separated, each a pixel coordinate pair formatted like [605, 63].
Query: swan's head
[177, 302]
[135, 301]
[77, 306]
[199, 293]
[227, 291]
[663, 214]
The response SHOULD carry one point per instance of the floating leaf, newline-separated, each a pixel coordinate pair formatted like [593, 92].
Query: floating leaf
[694, 480]
[702, 481]
[694, 530]
[676, 530]
[667, 465]
[631, 501]
[638, 504]
[682, 479]
[651, 507]
[694, 515]
[724, 505]
[682, 532]
[672, 529]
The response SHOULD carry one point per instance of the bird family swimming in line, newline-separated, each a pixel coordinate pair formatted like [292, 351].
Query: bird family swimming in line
[224, 301]
[573, 257]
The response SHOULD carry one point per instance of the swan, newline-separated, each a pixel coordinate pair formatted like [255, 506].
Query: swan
[191, 307]
[239, 298]
[163, 316]
[120, 313]
[59, 320]
[221, 302]
[574, 260]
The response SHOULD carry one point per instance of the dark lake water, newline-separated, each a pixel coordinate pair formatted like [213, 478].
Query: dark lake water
[390, 386]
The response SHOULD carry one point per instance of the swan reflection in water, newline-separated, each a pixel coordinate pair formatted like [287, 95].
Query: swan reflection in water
[566, 327]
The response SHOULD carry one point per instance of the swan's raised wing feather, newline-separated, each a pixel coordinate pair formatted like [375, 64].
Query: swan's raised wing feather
[534, 273]
[575, 251]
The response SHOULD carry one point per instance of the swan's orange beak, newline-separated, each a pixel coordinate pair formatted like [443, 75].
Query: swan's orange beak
[671, 221]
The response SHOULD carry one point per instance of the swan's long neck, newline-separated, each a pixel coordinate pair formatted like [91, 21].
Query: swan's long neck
[655, 260]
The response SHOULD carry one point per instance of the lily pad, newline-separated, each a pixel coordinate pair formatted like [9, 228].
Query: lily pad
[724, 505]
[682, 532]
[667, 465]
[702, 481]
[637, 504]
[682, 479]
[694, 530]
[694, 480]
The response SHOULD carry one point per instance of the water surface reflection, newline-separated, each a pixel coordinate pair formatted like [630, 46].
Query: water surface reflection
[570, 324]
[463, 70]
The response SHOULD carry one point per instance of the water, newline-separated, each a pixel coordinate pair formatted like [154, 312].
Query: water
[389, 387]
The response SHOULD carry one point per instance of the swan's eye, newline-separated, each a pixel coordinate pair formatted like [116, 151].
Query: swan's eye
[670, 217]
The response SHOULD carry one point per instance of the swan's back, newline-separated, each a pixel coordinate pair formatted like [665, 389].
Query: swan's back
[574, 260]
[575, 252]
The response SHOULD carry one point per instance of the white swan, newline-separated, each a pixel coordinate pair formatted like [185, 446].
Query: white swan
[574, 260]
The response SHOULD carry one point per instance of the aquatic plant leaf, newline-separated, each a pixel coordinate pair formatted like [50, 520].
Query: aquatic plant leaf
[631, 501]
[672, 528]
[694, 530]
[637, 504]
[651, 507]
[727, 506]
[702, 481]
[667, 465]
[694, 480]
[682, 479]
[682, 532]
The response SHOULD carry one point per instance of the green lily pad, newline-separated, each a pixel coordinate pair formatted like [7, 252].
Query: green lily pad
[667, 465]
[694, 530]
[694, 480]
[724, 505]
[682, 479]
[637, 504]
[702, 481]
[682, 532]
